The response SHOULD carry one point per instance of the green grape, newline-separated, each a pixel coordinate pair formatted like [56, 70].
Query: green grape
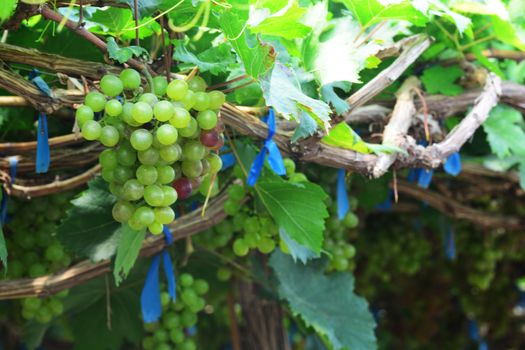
[170, 153]
[108, 159]
[160, 335]
[177, 89]
[127, 114]
[170, 195]
[197, 84]
[205, 186]
[155, 228]
[96, 101]
[91, 130]
[236, 192]
[144, 215]
[122, 211]
[350, 220]
[188, 345]
[132, 190]
[122, 174]
[160, 85]
[166, 134]
[136, 225]
[108, 174]
[202, 101]
[141, 112]
[84, 114]
[217, 99]
[164, 215]
[177, 336]
[189, 130]
[186, 280]
[126, 155]
[163, 111]
[54, 252]
[215, 163]
[111, 85]
[240, 248]
[37, 270]
[201, 287]
[115, 189]
[153, 195]
[170, 320]
[188, 318]
[193, 150]
[207, 119]
[166, 174]
[141, 139]
[188, 100]
[148, 157]
[149, 98]
[181, 118]
[147, 174]
[191, 168]
[266, 245]
[298, 177]
[231, 207]
[289, 165]
[109, 136]
[130, 79]
[113, 108]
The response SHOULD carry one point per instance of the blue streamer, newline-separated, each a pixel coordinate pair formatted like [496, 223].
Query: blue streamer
[150, 296]
[343, 205]
[473, 332]
[13, 163]
[453, 164]
[40, 83]
[413, 174]
[275, 160]
[425, 178]
[42, 145]
[387, 203]
[450, 244]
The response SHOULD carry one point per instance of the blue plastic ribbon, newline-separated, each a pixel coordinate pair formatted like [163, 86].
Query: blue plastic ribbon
[387, 203]
[425, 178]
[452, 165]
[450, 244]
[150, 296]
[343, 204]
[42, 146]
[473, 332]
[13, 163]
[274, 156]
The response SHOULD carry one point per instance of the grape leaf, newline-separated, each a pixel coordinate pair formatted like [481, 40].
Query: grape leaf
[440, 80]
[3, 248]
[306, 126]
[329, 95]
[216, 59]
[286, 25]
[282, 91]
[326, 302]
[437, 8]
[298, 208]
[296, 250]
[123, 54]
[505, 133]
[256, 58]
[7, 9]
[507, 32]
[148, 7]
[114, 19]
[89, 228]
[127, 252]
[342, 135]
[369, 12]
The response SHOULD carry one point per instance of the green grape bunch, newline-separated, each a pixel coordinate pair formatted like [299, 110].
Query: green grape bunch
[173, 330]
[161, 145]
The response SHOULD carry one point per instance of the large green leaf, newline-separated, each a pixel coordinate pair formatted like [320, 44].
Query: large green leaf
[298, 208]
[286, 25]
[7, 9]
[283, 92]
[128, 251]
[326, 302]
[216, 59]
[505, 134]
[256, 56]
[89, 229]
[369, 12]
[123, 54]
[148, 7]
[441, 80]
[114, 19]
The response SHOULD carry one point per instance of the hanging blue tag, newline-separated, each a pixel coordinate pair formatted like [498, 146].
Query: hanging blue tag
[150, 296]
[42, 145]
[387, 203]
[40, 83]
[453, 164]
[425, 178]
[483, 345]
[450, 244]
[275, 160]
[228, 159]
[473, 330]
[343, 204]
[413, 174]
[13, 163]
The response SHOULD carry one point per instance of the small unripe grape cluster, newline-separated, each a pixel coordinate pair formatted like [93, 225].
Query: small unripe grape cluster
[34, 249]
[160, 143]
[173, 331]
[341, 251]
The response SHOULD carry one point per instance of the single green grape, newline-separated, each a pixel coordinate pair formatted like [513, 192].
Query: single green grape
[193, 150]
[141, 112]
[181, 118]
[188, 101]
[202, 101]
[149, 98]
[215, 162]
[96, 101]
[121, 174]
[163, 111]
[91, 130]
[170, 195]
[217, 99]
[164, 214]
[126, 155]
[166, 174]
[122, 211]
[108, 159]
[127, 114]
[190, 129]
[113, 108]
[141, 139]
[207, 119]
[83, 114]
[191, 168]
[170, 153]
[111, 85]
[109, 136]
[155, 228]
[132, 190]
[240, 248]
[130, 79]
[160, 85]
[149, 156]
[197, 84]
[144, 215]
[166, 134]
[153, 195]
[177, 89]
[146, 174]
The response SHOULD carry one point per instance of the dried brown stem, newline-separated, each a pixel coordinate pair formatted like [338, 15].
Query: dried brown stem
[21, 147]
